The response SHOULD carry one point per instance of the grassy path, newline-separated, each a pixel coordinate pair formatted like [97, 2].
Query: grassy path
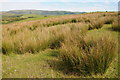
[47, 64]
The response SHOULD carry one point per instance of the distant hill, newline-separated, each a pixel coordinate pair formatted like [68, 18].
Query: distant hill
[22, 15]
[43, 12]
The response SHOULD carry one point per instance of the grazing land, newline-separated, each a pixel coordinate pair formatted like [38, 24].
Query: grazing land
[66, 46]
[28, 15]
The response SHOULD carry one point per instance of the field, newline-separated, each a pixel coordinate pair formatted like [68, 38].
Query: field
[67, 46]
[14, 18]
[28, 15]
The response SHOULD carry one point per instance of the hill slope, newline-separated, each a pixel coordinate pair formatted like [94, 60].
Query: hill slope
[43, 12]
[68, 46]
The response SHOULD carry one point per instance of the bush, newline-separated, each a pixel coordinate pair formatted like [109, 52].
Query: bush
[88, 55]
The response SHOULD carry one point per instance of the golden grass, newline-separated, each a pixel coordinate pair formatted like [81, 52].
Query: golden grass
[84, 54]
[38, 35]
[88, 54]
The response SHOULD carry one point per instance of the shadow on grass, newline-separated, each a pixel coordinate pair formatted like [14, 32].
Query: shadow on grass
[56, 64]
[117, 29]
[59, 66]
[53, 53]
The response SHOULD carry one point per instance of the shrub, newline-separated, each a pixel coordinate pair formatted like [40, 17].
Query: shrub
[88, 55]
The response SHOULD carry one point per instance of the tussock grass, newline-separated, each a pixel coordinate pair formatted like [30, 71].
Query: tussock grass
[81, 52]
[41, 65]
[116, 26]
[88, 54]
[109, 20]
[32, 42]
[60, 20]
[98, 23]
[37, 36]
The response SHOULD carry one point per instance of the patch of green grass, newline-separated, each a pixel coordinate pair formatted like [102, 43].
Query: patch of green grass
[29, 66]
[27, 17]
[35, 17]
[42, 65]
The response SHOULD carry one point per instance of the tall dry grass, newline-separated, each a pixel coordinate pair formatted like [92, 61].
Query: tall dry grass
[35, 36]
[88, 54]
[88, 17]
[116, 25]
[39, 39]
[82, 53]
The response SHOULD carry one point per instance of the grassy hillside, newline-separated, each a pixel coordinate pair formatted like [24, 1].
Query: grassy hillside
[28, 15]
[42, 12]
[47, 65]
[13, 18]
[70, 46]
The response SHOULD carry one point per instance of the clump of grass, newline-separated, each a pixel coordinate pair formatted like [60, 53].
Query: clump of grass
[108, 20]
[88, 54]
[115, 25]
[95, 25]
[55, 41]
[98, 23]
[7, 46]
[33, 27]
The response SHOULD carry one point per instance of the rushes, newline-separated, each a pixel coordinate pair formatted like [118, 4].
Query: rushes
[88, 18]
[82, 53]
[7, 46]
[39, 39]
[98, 23]
[87, 54]
[38, 36]
[115, 25]
[109, 20]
